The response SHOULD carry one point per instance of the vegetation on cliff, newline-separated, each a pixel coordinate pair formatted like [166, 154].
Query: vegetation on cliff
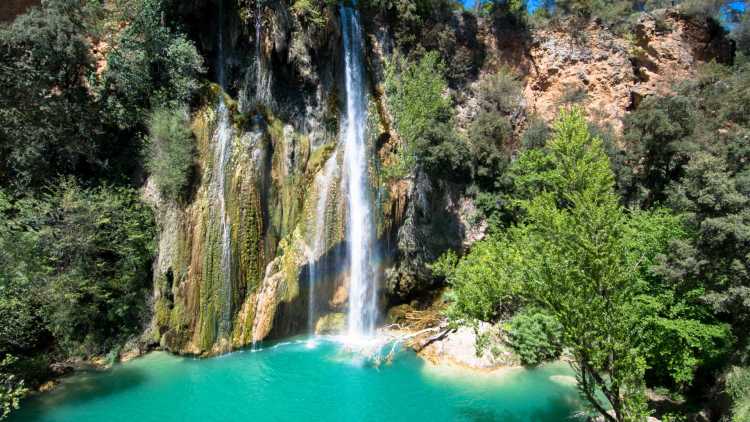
[79, 80]
[625, 250]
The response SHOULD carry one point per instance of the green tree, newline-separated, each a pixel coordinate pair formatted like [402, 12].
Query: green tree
[12, 389]
[422, 116]
[738, 387]
[79, 272]
[44, 65]
[658, 134]
[150, 66]
[171, 152]
[571, 259]
[535, 337]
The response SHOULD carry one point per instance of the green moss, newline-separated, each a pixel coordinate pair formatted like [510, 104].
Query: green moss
[332, 323]
[162, 312]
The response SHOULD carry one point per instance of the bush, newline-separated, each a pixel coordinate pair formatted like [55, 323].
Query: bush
[83, 257]
[501, 91]
[170, 152]
[150, 66]
[12, 388]
[45, 60]
[535, 337]
[423, 117]
[536, 134]
[738, 387]
[489, 135]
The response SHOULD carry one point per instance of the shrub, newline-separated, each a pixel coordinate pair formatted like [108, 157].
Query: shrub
[170, 151]
[535, 337]
[151, 65]
[536, 134]
[423, 116]
[500, 91]
[738, 387]
[488, 136]
[12, 388]
[48, 121]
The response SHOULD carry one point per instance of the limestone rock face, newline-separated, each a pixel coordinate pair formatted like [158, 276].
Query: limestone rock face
[284, 196]
[334, 323]
[614, 73]
[437, 217]
[459, 348]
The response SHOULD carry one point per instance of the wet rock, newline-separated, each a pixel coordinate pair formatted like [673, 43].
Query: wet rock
[459, 348]
[334, 323]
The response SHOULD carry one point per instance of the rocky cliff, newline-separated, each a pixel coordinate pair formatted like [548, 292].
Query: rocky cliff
[283, 196]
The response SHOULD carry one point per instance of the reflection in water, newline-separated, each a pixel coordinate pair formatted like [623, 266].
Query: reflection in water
[291, 381]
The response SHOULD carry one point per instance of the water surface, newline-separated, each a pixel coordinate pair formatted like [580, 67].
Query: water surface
[293, 382]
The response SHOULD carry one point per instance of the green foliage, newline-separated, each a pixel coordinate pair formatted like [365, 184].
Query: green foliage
[171, 151]
[80, 269]
[578, 256]
[535, 337]
[482, 283]
[536, 134]
[151, 66]
[422, 117]
[490, 134]
[45, 62]
[500, 92]
[12, 389]
[312, 11]
[658, 134]
[738, 387]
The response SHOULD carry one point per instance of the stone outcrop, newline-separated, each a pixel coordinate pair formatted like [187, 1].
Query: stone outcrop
[609, 75]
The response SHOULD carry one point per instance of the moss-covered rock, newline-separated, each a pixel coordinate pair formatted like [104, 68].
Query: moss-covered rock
[333, 323]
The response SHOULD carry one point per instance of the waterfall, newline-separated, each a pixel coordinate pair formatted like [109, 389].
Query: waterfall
[318, 243]
[222, 154]
[362, 289]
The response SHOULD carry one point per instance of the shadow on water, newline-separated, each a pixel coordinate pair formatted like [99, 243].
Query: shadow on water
[81, 388]
[548, 413]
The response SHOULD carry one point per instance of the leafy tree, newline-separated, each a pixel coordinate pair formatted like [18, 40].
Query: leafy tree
[680, 333]
[150, 66]
[79, 273]
[44, 63]
[714, 259]
[571, 259]
[422, 116]
[658, 134]
[12, 389]
[738, 387]
[490, 134]
[578, 256]
[170, 151]
[535, 337]
[98, 247]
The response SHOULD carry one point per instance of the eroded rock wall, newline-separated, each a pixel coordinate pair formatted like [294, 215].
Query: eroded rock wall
[285, 195]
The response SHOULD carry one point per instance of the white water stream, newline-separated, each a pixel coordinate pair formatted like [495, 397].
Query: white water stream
[222, 154]
[362, 289]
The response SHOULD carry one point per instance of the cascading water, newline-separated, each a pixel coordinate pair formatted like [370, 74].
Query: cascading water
[222, 154]
[318, 243]
[362, 289]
